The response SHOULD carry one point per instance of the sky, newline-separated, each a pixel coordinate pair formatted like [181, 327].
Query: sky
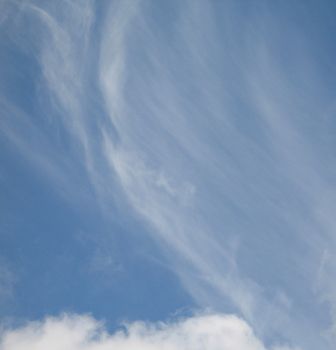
[167, 175]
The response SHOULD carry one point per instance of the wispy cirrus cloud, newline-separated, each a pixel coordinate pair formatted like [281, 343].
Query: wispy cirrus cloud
[238, 143]
[208, 125]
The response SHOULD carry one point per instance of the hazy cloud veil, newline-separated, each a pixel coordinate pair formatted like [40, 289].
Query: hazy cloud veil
[212, 122]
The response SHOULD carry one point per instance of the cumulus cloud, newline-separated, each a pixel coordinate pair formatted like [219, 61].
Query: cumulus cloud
[204, 332]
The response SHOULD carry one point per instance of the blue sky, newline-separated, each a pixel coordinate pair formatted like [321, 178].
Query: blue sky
[168, 175]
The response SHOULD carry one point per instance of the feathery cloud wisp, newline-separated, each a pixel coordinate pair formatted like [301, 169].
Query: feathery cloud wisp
[202, 128]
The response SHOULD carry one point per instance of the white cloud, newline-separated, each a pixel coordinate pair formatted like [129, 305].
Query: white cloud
[74, 332]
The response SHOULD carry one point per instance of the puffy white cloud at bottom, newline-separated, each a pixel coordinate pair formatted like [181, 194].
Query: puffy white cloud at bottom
[74, 332]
